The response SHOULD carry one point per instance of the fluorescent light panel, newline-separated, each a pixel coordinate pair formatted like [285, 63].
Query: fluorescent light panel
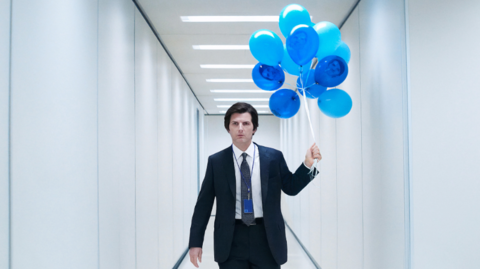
[240, 99]
[239, 91]
[229, 18]
[227, 106]
[221, 47]
[227, 66]
[229, 80]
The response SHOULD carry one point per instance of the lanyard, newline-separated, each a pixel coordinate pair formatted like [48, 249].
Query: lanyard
[251, 174]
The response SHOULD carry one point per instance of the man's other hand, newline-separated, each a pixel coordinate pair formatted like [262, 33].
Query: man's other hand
[312, 153]
[195, 253]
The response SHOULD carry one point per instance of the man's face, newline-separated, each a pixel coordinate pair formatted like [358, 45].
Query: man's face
[241, 128]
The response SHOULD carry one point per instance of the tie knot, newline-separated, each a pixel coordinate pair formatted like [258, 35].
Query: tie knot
[244, 155]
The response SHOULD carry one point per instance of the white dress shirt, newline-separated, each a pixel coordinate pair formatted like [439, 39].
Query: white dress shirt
[256, 183]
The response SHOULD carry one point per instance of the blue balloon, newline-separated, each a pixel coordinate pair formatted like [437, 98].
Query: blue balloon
[331, 71]
[307, 82]
[291, 16]
[290, 66]
[284, 103]
[302, 44]
[343, 51]
[329, 36]
[266, 47]
[268, 77]
[335, 103]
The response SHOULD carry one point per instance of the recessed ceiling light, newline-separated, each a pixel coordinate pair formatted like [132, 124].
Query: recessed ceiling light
[240, 91]
[229, 18]
[262, 111]
[227, 66]
[223, 111]
[229, 80]
[221, 47]
[227, 106]
[241, 99]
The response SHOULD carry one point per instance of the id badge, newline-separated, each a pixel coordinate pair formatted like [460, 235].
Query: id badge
[247, 206]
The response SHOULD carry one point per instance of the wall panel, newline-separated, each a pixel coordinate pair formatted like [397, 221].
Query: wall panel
[116, 134]
[444, 64]
[165, 161]
[349, 160]
[54, 134]
[146, 120]
[4, 130]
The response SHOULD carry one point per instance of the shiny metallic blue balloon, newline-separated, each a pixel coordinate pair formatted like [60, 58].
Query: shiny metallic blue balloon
[268, 77]
[307, 81]
[343, 51]
[266, 47]
[290, 66]
[331, 71]
[335, 103]
[291, 16]
[284, 103]
[302, 44]
[329, 36]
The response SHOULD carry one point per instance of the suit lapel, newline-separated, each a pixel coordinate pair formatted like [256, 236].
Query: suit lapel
[230, 170]
[264, 164]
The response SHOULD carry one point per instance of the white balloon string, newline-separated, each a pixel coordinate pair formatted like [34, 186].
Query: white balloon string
[315, 161]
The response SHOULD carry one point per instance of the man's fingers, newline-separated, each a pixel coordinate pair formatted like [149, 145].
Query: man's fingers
[193, 260]
[200, 256]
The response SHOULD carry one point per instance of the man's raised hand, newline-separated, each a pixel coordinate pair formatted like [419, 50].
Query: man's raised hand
[312, 153]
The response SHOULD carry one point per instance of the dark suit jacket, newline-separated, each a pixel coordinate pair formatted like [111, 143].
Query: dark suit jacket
[220, 182]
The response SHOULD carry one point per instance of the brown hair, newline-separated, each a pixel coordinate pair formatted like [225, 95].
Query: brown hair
[241, 108]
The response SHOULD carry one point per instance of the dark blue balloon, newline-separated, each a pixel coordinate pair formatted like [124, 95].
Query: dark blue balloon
[268, 77]
[284, 103]
[331, 71]
[307, 81]
[302, 44]
[335, 103]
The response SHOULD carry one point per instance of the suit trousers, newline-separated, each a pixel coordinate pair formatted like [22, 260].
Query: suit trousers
[250, 248]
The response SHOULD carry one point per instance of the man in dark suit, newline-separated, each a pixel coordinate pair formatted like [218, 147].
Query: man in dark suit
[247, 180]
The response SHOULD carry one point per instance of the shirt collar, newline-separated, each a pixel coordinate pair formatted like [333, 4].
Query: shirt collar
[238, 153]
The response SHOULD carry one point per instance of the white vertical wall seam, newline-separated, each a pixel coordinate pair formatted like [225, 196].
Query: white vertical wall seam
[98, 127]
[408, 147]
[361, 131]
[135, 121]
[10, 141]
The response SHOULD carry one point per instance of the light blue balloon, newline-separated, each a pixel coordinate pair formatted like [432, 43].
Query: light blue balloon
[335, 103]
[266, 47]
[329, 36]
[307, 82]
[302, 44]
[291, 16]
[343, 51]
[268, 77]
[290, 66]
[284, 103]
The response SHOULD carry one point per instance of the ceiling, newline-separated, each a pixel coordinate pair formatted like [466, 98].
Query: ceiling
[179, 37]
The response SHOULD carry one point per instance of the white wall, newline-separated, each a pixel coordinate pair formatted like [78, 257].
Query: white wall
[444, 65]
[54, 135]
[116, 135]
[353, 214]
[4, 137]
[96, 102]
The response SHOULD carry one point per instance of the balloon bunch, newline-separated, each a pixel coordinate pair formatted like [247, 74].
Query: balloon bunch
[305, 41]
